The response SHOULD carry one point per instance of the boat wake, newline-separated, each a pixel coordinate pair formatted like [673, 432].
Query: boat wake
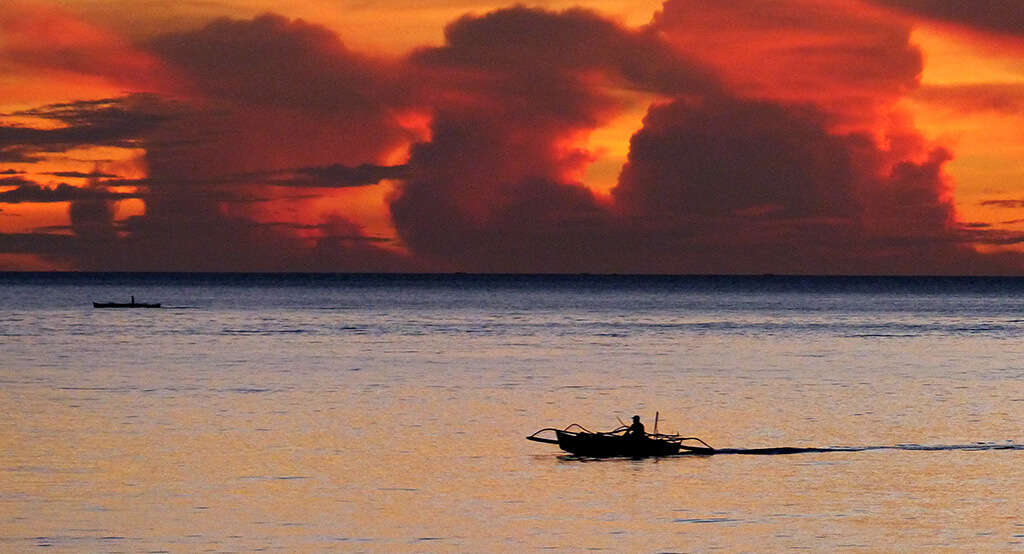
[787, 450]
[582, 444]
[782, 450]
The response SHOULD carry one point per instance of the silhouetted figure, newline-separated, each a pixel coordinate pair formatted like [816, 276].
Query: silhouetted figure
[636, 430]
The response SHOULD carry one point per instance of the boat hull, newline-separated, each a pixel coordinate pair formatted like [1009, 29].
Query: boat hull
[601, 445]
[123, 305]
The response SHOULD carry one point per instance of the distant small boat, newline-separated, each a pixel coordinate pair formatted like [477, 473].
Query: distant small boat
[131, 304]
[617, 444]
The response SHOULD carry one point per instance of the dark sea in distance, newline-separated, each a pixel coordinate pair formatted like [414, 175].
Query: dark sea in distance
[384, 412]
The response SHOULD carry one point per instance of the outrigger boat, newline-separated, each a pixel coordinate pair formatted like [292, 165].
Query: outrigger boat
[615, 443]
[132, 304]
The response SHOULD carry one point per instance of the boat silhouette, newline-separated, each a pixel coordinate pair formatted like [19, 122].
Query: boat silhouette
[132, 304]
[616, 443]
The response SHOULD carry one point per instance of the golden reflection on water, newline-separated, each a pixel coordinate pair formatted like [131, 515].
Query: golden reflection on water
[361, 461]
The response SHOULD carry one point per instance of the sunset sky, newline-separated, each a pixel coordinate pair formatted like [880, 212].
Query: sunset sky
[602, 136]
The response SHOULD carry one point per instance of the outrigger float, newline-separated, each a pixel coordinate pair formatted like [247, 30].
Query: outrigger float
[580, 441]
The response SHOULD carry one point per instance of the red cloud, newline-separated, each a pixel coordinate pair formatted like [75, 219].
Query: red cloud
[257, 96]
[992, 15]
[716, 182]
[846, 60]
[263, 95]
[278, 93]
[755, 186]
[723, 157]
[40, 37]
[771, 148]
[492, 190]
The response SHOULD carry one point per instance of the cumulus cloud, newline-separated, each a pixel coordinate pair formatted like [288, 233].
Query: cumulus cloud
[272, 101]
[518, 42]
[750, 185]
[494, 188]
[730, 157]
[281, 93]
[782, 156]
[763, 174]
[847, 61]
[268, 101]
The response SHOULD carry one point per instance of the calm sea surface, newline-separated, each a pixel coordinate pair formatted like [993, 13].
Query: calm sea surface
[388, 413]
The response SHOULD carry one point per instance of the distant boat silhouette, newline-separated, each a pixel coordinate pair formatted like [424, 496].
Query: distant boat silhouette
[614, 443]
[131, 304]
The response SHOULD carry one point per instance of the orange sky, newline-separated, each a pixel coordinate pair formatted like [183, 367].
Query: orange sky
[218, 145]
[989, 143]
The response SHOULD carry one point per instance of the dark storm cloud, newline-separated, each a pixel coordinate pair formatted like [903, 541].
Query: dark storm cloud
[844, 59]
[521, 42]
[158, 243]
[913, 201]
[268, 101]
[280, 94]
[83, 175]
[264, 96]
[329, 229]
[14, 181]
[275, 61]
[92, 218]
[1003, 16]
[994, 237]
[17, 154]
[331, 176]
[751, 185]
[492, 190]
[285, 103]
[28, 191]
[715, 182]
[760, 174]
[43, 244]
[118, 122]
[737, 158]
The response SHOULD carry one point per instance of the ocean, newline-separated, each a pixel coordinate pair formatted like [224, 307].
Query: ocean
[389, 412]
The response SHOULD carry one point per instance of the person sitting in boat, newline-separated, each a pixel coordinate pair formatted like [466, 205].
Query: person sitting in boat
[636, 430]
